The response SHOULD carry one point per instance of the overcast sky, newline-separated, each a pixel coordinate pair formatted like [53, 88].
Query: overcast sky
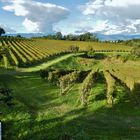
[71, 16]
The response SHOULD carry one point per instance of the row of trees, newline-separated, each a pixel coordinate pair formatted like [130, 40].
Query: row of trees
[83, 37]
[58, 36]
[131, 42]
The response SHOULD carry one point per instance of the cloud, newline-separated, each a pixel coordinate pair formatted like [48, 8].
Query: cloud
[7, 29]
[39, 17]
[31, 26]
[122, 16]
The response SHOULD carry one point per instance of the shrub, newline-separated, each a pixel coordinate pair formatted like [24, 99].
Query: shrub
[74, 49]
[90, 52]
[136, 51]
[5, 96]
[43, 74]
[53, 76]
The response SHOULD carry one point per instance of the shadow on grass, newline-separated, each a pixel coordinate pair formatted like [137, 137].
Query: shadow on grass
[122, 121]
[97, 56]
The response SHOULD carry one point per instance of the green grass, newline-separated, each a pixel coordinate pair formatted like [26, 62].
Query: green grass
[41, 113]
[77, 63]
[47, 64]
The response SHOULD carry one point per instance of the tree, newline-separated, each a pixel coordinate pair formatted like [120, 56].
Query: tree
[74, 49]
[70, 37]
[19, 36]
[90, 51]
[87, 37]
[59, 36]
[2, 31]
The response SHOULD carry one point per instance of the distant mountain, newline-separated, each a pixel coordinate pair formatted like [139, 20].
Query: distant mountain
[117, 37]
[100, 36]
[28, 35]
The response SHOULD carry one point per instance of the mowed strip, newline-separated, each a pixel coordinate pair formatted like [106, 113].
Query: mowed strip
[47, 64]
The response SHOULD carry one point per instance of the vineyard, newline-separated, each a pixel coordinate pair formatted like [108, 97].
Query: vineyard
[69, 69]
[58, 94]
[24, 52]
[113, 70]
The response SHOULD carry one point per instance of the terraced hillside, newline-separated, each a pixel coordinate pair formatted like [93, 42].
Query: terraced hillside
[24, 52]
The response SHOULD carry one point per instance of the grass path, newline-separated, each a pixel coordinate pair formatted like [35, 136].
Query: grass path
[47, 64]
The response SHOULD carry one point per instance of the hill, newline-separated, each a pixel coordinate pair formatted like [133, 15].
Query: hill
[55, 92]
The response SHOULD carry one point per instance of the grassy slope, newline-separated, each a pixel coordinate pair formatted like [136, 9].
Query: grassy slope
[46, 64]
[41, 113]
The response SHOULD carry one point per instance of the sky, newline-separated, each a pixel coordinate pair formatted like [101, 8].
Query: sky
[107, 17]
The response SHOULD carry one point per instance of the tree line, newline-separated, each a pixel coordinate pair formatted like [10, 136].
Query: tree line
[58, 36]
[70, 37]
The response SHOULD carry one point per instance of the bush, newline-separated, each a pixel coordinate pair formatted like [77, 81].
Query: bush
[53, 76]
[43, 74]
[90, 52]
[74, 49]
[136, 51]
[5, 96]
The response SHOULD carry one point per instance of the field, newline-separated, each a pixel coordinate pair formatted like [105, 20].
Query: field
[61, 95]
[24, 52]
